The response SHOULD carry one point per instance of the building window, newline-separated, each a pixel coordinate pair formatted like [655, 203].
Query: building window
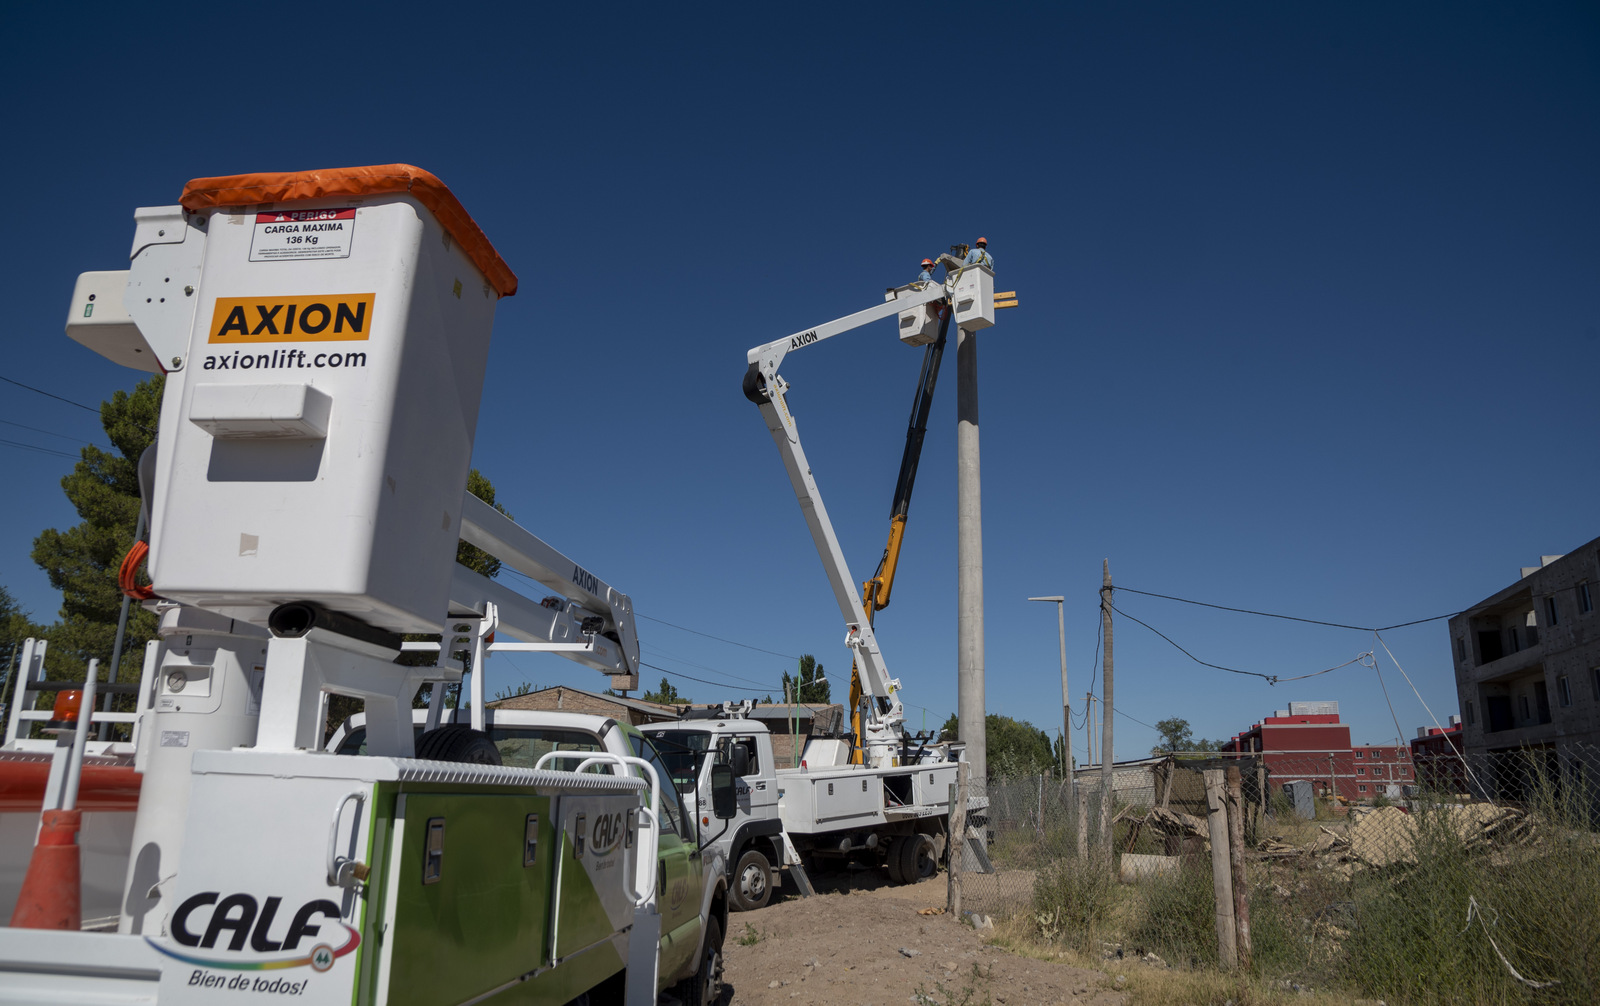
[1550, 611]
[1563, 690]
[1361, 770]
[1461, 649]
[1594, 681]
[1362, 788]
[1361, 754]
[1526, 714]
[1377, 770]
[1472, 716]
[1585, 599]
[1404, 771]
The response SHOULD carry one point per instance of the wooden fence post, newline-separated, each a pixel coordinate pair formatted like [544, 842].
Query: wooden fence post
[1241, 890]
[1083, 823]
[958, 840]
[1221, 869]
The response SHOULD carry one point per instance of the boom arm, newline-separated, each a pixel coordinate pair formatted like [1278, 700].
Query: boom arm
[764, 387]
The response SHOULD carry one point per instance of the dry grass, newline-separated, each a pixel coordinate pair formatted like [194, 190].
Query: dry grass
[1154, 985]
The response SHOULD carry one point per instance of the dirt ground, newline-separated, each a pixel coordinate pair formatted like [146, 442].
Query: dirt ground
[863, 942]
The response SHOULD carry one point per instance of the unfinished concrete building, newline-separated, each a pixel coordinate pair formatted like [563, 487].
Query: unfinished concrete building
[1527, 659]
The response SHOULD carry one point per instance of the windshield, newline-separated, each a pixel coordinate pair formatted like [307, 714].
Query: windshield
[683, 751]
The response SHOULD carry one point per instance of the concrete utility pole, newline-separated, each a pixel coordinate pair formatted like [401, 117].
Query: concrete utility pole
[969, 559]
[1066, 701]
[1106, 707]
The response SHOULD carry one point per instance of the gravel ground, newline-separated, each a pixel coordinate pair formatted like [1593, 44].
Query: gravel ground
[863, 942]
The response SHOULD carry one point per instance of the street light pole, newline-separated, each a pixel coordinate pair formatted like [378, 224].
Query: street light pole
[1066, 701]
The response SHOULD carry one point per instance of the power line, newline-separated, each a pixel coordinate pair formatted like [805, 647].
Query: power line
[41, 391]
[680, 674]
[731, 642]
[714, 670]
[1270, 679]
[1289, 618]
[41, 450]
[48, 433]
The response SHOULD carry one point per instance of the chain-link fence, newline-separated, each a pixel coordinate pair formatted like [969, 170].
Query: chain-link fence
[1449, 881]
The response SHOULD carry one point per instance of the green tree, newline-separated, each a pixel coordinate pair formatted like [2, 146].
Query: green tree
[15, 626]
[1016, 748]
[1175, 736]
[951, 731]
[471, 556]
[1059, 752]
[813, 685]
[665, 695]
[83, 560]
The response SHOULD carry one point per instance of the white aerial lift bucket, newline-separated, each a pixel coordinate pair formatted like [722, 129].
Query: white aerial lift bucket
[319, 417]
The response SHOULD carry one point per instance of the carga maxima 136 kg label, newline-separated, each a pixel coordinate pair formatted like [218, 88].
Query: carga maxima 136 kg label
[299, 234]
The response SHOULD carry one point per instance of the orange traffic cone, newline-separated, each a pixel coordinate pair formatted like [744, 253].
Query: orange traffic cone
[52, 896]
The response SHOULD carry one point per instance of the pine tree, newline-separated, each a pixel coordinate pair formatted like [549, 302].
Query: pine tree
[82, 561]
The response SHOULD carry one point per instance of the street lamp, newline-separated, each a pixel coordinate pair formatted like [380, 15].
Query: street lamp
[1066, 701]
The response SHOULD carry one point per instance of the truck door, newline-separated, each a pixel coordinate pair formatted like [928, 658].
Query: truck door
[679, 875]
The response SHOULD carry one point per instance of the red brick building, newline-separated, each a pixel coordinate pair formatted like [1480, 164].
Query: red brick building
[1307, 741]
[1436, 753]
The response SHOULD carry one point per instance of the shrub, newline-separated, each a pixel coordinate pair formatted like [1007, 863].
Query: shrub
[1071, 897]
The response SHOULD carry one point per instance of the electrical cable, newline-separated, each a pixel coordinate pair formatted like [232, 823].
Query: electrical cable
[732, 642]
[659, 655]
[1271, 679]
[59, 436]
[80, 405]
[41, 450]
[680, 674]
[1290, 618]
[41, 391]
[1447, 739]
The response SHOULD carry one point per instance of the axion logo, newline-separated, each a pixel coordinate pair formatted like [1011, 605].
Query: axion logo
[585, 579]
[241, 918]
[605, 834]
[334, 317]
[803, 340]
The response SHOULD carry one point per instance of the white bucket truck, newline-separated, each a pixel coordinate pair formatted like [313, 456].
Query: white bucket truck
[324, 336]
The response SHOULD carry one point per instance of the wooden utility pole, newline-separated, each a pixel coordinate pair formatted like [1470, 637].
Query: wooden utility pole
[1106, 756]
[958, 839]
[1221, 868]
[1241, 891]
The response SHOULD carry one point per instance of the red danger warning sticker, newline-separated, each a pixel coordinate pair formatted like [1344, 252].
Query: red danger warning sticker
[297, 234]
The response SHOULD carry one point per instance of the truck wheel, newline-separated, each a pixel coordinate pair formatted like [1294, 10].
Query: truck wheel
[458, 743]
[705, 988]
[895, 858]
[919, 862]
[752, 882]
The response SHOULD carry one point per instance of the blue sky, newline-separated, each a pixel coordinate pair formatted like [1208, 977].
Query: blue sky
[1309, 311]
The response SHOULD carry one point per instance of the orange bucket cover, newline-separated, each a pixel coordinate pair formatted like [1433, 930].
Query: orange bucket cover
[288, 186]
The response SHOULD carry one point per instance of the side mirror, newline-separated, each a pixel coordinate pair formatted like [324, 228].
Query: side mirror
[740, 759]
[723, 801]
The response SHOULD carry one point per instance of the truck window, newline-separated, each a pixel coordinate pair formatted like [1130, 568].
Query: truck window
[672, 816]
[524, 746]
[519, 746]
[749, 744]
[684, 751]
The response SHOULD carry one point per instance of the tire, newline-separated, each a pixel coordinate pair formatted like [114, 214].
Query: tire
[705, 988]
[895, 859]
[919, 863]
[458, 743]
[752, 882]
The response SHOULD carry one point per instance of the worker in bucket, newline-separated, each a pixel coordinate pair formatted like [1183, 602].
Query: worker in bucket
[926, 275]
[980, 254]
